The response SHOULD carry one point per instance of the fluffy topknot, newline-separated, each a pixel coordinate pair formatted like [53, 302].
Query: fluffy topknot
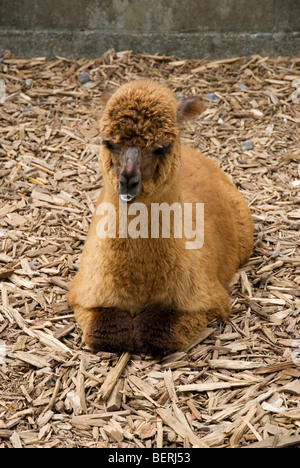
[140, 113]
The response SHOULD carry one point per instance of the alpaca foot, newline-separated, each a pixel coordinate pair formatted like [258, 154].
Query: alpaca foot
[110, 330]
[162, 332]
[153, 333]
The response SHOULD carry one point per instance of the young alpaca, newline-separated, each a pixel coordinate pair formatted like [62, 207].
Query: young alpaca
[153, 295]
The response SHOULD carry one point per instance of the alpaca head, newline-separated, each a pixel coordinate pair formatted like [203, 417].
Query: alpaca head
[140, 152]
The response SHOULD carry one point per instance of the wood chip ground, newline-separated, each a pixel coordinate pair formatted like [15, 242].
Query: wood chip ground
[238, 384]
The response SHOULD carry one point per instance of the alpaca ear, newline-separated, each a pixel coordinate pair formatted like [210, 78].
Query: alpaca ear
[189, 107]
[105, 97]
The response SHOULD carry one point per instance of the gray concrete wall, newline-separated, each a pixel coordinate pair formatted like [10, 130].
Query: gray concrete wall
[186, 28]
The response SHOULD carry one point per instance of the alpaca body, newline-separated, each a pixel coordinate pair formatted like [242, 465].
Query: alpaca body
[154, 295]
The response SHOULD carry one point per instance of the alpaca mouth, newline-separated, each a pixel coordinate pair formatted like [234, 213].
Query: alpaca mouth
[127, 197]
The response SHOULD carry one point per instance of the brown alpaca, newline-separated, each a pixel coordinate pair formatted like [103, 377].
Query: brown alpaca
[153, 295]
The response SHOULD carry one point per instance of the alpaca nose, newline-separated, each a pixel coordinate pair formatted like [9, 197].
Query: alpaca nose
[128, 181]
[130, 175]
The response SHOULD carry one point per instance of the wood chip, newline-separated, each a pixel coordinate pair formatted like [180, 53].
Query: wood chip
[96, 419]
[113, 376]
[233, 365]
[31, 359]
[210, 386]
[115, 398]
[293, 387]
[238, 433]
[15, 440]
[274, 442]
[179, 428]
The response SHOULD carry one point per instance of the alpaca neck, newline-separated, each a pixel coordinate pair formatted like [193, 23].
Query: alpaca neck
[143, 217]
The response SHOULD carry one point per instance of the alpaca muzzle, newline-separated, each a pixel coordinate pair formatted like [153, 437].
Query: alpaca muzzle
[130, 176]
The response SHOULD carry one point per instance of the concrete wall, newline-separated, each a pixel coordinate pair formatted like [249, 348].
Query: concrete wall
[186, 28]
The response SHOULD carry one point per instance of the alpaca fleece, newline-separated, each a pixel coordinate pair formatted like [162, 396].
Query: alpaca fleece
[154, 295]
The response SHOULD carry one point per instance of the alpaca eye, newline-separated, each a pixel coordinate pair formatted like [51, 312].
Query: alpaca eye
[161, 150]
[108, 144]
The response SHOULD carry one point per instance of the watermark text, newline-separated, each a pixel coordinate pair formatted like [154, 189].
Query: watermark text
[159, 220]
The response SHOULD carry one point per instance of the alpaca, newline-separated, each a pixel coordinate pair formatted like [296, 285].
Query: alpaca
[153, 295]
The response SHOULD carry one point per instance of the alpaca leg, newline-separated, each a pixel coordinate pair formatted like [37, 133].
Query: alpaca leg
[221, 308]
[162, 332]
[105, 329]
[245, 228]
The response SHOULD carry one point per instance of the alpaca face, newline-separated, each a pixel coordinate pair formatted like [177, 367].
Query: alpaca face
[141, 149]
[135, 170]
